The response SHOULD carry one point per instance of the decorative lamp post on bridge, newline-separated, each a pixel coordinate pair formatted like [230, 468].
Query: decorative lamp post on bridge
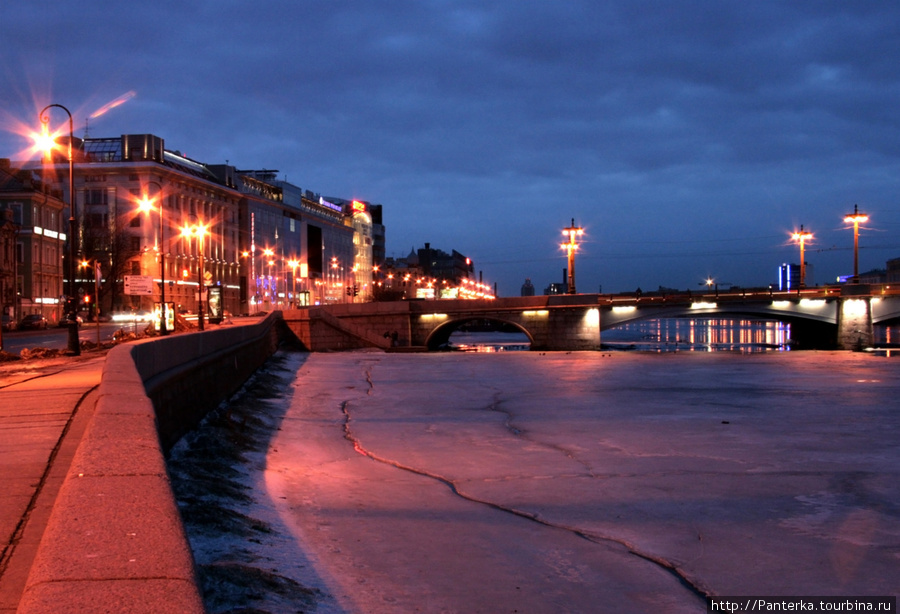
[146, 205]
[856, 218]
[47, 142]
[570, 246]
[802, 236]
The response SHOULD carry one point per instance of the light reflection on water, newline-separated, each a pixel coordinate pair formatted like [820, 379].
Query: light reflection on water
[489, 342]
[677, 334]
[699, 335]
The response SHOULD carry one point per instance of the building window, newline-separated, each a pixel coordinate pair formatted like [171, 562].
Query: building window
[96, 220]
[96, 197]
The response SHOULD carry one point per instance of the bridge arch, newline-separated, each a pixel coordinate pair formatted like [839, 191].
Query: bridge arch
[439, 337]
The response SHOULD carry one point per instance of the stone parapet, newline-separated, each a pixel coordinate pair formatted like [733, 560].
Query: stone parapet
[115, 540]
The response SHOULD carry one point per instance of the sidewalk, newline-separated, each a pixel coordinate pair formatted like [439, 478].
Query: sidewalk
[44, 408]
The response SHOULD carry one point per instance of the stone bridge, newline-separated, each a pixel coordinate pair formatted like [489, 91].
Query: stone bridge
[828, 317]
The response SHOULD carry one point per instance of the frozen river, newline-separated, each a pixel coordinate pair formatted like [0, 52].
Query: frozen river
[575, 482]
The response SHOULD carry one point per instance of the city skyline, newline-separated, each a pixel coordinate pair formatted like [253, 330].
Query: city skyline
[689, 140]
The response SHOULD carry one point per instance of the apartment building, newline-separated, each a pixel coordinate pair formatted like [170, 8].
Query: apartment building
[249, 241]
[33, 221]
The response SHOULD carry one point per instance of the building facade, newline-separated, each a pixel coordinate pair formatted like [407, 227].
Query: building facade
[33, 239]
[294, 244]
[250, 241]
[144, 212]
[429, 273]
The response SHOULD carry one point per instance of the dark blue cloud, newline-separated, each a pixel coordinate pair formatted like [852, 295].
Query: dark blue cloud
[688, 138]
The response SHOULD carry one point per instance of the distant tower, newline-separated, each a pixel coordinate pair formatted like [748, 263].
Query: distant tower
[527, 287]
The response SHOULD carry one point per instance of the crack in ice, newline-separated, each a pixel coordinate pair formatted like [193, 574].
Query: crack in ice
[671, 568]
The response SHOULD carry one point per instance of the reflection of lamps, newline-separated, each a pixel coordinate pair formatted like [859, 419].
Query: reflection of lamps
[197, 230]
[802, 237]
[146, 205]
[47, 141]
[856, 217]
[570, 246]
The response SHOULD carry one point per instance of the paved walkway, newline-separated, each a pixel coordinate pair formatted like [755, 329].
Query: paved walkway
[44, 408]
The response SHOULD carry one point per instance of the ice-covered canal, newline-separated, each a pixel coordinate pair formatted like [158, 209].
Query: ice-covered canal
[582, 482]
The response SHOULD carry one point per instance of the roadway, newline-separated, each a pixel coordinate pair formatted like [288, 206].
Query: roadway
[57, 338]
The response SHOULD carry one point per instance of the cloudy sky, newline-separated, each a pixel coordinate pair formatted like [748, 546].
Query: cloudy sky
[688, 138]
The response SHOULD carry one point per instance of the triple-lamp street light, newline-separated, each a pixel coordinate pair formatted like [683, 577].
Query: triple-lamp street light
[294, 263]
[47, 142]
[856, 218]
[269, 253]
[572, 232]
[802, 236]
[147, 205]
[197, 230]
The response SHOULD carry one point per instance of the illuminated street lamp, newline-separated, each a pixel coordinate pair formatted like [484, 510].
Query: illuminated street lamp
[47, 142]
[146, 205]
[268, 253]
[802, 237]
[86, 264]
[856, 217]
[197, 230]
[293, 263]
[570, 246]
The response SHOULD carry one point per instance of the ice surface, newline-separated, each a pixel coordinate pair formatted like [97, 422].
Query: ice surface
[584, 482]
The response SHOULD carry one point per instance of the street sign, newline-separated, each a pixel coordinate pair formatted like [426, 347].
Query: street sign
[138, 284]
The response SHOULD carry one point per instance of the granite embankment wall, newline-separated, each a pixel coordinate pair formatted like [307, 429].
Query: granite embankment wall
[115, 541]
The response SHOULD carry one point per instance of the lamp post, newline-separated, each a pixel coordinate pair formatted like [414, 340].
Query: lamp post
[74, 346]
[146, 205]
[197, 230]
[856, 217]
[268, 253]
[96, 308]
[293, 263]
[570, 246]
[802, 237]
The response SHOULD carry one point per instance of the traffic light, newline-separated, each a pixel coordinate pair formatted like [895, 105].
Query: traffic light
[355, 290]
[349, 291]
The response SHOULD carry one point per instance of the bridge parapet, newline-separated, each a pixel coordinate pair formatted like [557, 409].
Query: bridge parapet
[562, 322]
[819, 317]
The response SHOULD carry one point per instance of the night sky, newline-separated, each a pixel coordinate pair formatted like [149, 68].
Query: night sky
[688, 138]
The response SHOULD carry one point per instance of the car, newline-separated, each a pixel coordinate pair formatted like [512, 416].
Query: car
[64, 321]
[33, 321]
[9, 324]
